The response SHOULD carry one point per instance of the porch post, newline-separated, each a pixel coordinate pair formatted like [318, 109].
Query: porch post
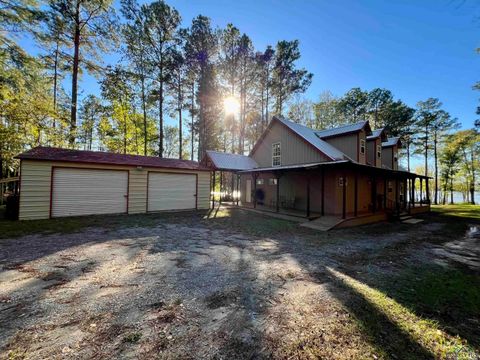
[355, 206]
[238, 188]
[277, 209]
[221, 187]
[308, 195]
[405, 186]
[413, 191]
[254, 190]
[213, 190]
[426, 190]
[344, 197]
[384, 193]
[323, 191]
[374, 193]
[397, 207]
[421, 191]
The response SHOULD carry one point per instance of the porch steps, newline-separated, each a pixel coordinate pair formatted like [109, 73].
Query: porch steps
[323, 223]
[412, 221]
[405, 217]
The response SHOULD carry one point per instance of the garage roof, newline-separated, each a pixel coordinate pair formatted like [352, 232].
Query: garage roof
[99, 157]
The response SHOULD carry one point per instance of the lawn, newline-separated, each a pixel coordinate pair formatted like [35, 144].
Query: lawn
[464, 211]
[233, 284]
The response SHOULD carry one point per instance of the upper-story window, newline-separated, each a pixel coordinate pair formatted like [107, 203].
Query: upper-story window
[362, 146]
[276, 154]
[379, 151]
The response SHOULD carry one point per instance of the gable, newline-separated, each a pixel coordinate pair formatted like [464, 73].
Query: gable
[294, 149]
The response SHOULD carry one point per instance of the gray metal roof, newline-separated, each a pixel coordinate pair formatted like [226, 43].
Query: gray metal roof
[341, 130]
[376, 133]
[309, 135]
[296, 166]
[226, 161]
[391, 141]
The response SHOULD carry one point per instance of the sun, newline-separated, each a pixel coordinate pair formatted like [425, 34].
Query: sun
[231, 105]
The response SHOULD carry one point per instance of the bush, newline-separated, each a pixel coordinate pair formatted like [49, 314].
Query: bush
[13, 202]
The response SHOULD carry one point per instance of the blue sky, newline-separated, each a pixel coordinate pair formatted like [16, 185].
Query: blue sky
[417, 49]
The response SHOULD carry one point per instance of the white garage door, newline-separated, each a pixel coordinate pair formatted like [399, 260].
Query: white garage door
[88, 191]
[171, 191]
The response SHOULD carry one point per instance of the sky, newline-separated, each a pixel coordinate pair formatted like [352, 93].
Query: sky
[416, 49]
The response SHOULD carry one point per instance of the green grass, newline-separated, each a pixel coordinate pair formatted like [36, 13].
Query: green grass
[465, 211]
[400, 329]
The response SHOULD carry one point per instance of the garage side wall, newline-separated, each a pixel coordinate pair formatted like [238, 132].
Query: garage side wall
[35, 190]
[35, 187]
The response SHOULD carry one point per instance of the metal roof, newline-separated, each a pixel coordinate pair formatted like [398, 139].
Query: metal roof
[99, 157]
[391, 142]
[309, 135]
[377, 133]
[296, 166]
[226, 161]
[341, 130]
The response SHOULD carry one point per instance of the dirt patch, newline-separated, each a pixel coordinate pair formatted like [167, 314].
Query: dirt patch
[189, 287]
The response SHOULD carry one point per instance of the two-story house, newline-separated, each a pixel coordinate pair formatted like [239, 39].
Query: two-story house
[347, 172]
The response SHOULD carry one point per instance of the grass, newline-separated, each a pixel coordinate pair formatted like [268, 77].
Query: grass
[409, 336]
[448, 295]
[465, 211]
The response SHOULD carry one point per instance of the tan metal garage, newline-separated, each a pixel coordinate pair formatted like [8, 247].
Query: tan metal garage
[88, 191]
[61, 182]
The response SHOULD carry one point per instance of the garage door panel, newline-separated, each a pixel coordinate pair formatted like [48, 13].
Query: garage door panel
[167, 191]
[88, 191]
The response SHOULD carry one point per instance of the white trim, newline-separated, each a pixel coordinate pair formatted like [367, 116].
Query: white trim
[279, 157]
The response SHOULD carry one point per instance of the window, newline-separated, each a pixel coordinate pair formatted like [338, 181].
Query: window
[272, 181]
[260, 181]
[362, 146]
[379, 151]
[276, 155]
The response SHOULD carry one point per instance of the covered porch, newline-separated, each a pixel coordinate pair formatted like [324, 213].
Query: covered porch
[344, 190]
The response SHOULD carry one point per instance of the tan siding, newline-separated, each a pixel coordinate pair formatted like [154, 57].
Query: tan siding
[387, 157]
[203, 190]
[35, 190]
[36, 178]
[294, 149]
[346, 144]
[137, 194]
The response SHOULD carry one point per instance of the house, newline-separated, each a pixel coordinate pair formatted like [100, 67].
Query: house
[349, 172]
[60, 182]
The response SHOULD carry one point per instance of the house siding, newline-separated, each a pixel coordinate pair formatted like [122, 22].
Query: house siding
[36, 178]
[350, 145]
[294, 149]
[388, 155]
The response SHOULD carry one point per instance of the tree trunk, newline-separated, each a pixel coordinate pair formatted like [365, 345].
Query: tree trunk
[426, 150]
[451, 191]
[55, 75]
[408, 156]
[160, 119]
[180, 122]
[76, 60]
[435, 199]
[144, 108]
[472, 184]
[192, 110]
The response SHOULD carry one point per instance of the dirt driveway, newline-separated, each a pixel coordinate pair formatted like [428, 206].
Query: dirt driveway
[237, 285]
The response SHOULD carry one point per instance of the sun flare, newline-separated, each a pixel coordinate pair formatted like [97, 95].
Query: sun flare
[231, 105]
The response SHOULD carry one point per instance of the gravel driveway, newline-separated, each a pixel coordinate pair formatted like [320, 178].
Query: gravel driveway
[189, 289]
